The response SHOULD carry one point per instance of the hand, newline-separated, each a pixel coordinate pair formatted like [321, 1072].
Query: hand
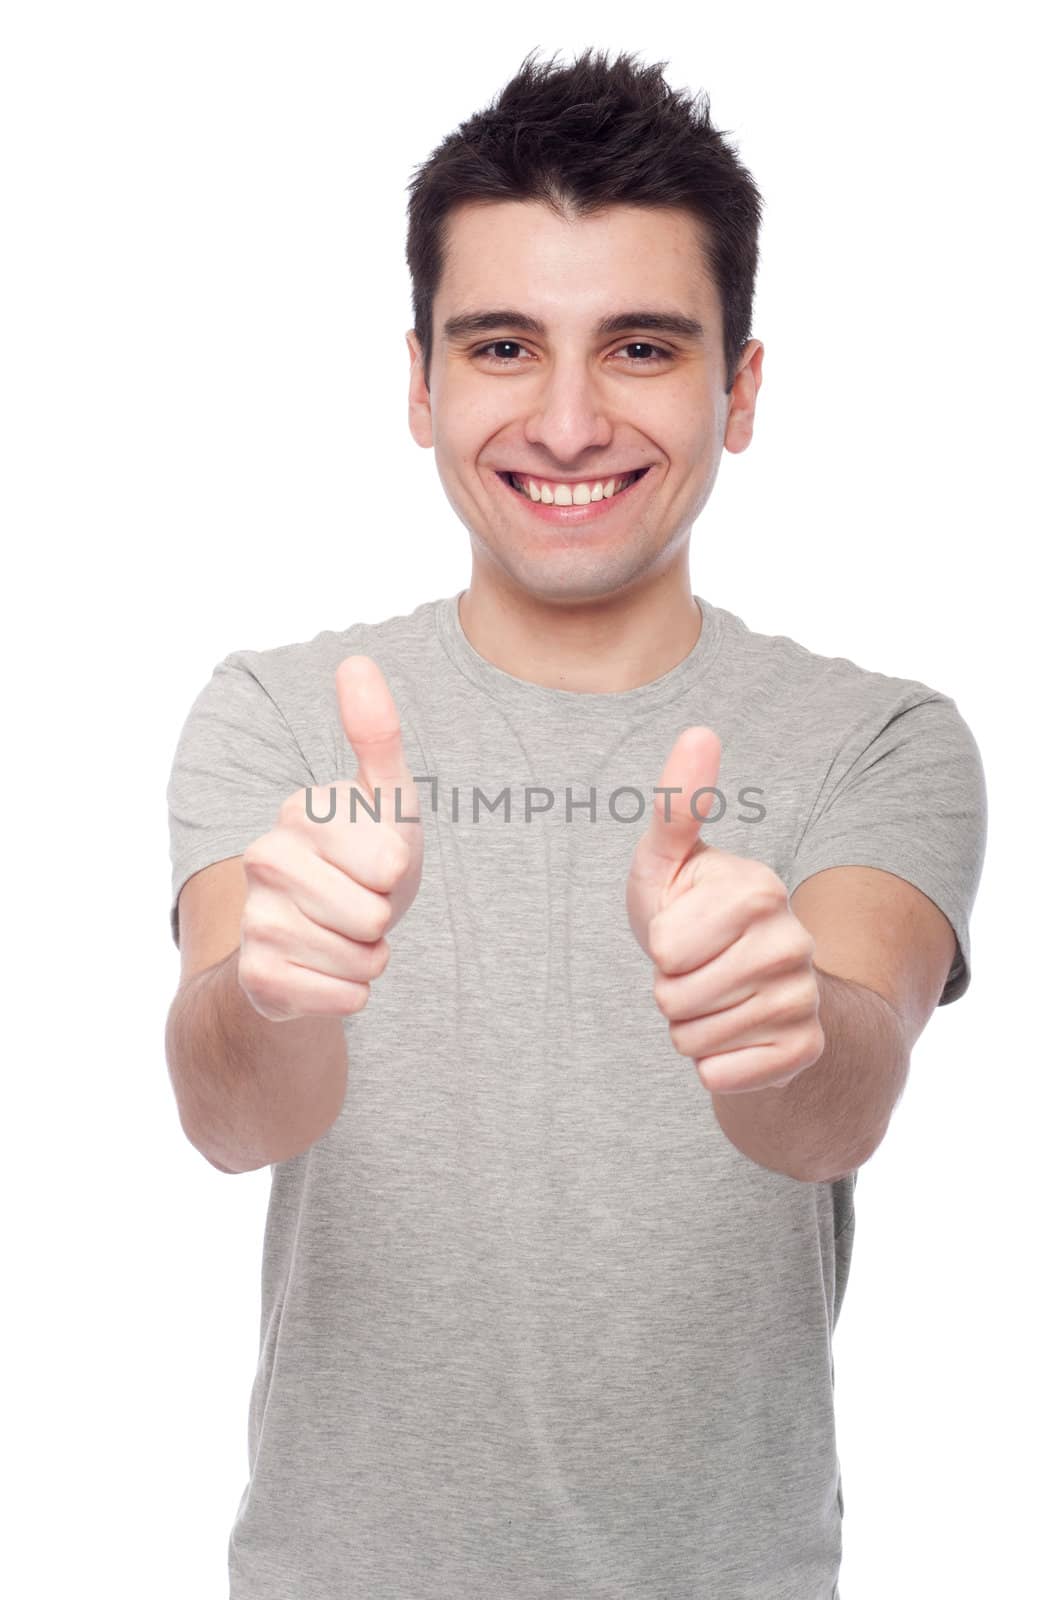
[733, 965]
[321, 895]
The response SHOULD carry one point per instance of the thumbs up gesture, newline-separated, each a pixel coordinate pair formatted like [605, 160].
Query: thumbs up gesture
[733, 968]
[322, 894]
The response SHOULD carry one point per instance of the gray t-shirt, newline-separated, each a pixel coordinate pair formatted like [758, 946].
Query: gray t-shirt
[531, 1325]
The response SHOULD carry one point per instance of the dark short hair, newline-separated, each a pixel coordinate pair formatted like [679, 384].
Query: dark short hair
[580, 138]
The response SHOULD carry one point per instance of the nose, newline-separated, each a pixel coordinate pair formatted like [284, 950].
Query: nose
[568, 415]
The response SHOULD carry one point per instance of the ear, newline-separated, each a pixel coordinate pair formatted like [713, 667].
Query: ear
[739, 429]
[420, 405]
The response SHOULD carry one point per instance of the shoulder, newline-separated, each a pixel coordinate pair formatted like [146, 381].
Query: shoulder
[299, 672]
[295, 684]
[820, 696]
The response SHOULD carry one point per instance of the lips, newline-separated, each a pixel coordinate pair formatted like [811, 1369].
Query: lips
[633, 477]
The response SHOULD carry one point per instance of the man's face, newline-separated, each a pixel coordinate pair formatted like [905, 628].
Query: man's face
[571, 402]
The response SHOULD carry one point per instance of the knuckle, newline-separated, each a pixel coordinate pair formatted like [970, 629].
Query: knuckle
[662, 945]
[397, 857]
[799, 1002]
[359, 998]
[248, 970]
[263, 985]
[682, 1036]
[774, 886]
[766, 894]
[258, 852]
[799, 944]
[377, 917]
[663, 992]
[267, 929]
[811, 1042]
[784, 959]
[262, 860]
[293, 808]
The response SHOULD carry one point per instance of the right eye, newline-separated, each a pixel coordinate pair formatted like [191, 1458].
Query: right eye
[501, 360]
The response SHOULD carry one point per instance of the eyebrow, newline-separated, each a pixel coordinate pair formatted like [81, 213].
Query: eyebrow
[474, 322]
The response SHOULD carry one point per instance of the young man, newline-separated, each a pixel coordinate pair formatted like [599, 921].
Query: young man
[652, 910]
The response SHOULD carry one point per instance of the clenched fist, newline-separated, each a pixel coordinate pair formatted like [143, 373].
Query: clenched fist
[734, 974]
[322, 895]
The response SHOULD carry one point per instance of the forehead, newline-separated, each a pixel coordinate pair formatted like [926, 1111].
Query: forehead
[519, 252]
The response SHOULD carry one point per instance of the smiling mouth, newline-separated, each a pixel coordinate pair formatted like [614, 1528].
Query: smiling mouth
[629, 480]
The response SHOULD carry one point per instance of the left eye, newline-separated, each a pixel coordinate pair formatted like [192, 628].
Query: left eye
[640, 344]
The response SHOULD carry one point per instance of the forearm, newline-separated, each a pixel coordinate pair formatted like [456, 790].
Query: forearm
[834, 1115]
[250, 1091]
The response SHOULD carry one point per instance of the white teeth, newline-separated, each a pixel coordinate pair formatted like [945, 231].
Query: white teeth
[567, 494]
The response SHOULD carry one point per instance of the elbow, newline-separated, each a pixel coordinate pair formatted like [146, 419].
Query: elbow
[221, 1161]
[829, 1173]
[221, 1166]
[217, 1165]
[231, 1169]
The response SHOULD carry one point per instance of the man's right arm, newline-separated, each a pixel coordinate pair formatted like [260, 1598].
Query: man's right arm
[281, 944]
[249, 1091]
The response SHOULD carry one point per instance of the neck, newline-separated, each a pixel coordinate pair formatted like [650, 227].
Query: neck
[600, 646]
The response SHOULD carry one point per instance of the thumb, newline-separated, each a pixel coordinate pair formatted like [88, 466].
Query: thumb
[694, 763]
[371, 722]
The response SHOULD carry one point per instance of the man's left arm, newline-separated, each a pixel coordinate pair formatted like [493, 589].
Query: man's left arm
[883, 952]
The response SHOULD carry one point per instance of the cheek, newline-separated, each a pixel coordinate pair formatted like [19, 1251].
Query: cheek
[690, 424]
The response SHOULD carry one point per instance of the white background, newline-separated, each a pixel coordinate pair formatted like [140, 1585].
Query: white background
[205, 447]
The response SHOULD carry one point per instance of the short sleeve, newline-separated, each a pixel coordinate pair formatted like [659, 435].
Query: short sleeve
[236, 761]
[909, 798]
